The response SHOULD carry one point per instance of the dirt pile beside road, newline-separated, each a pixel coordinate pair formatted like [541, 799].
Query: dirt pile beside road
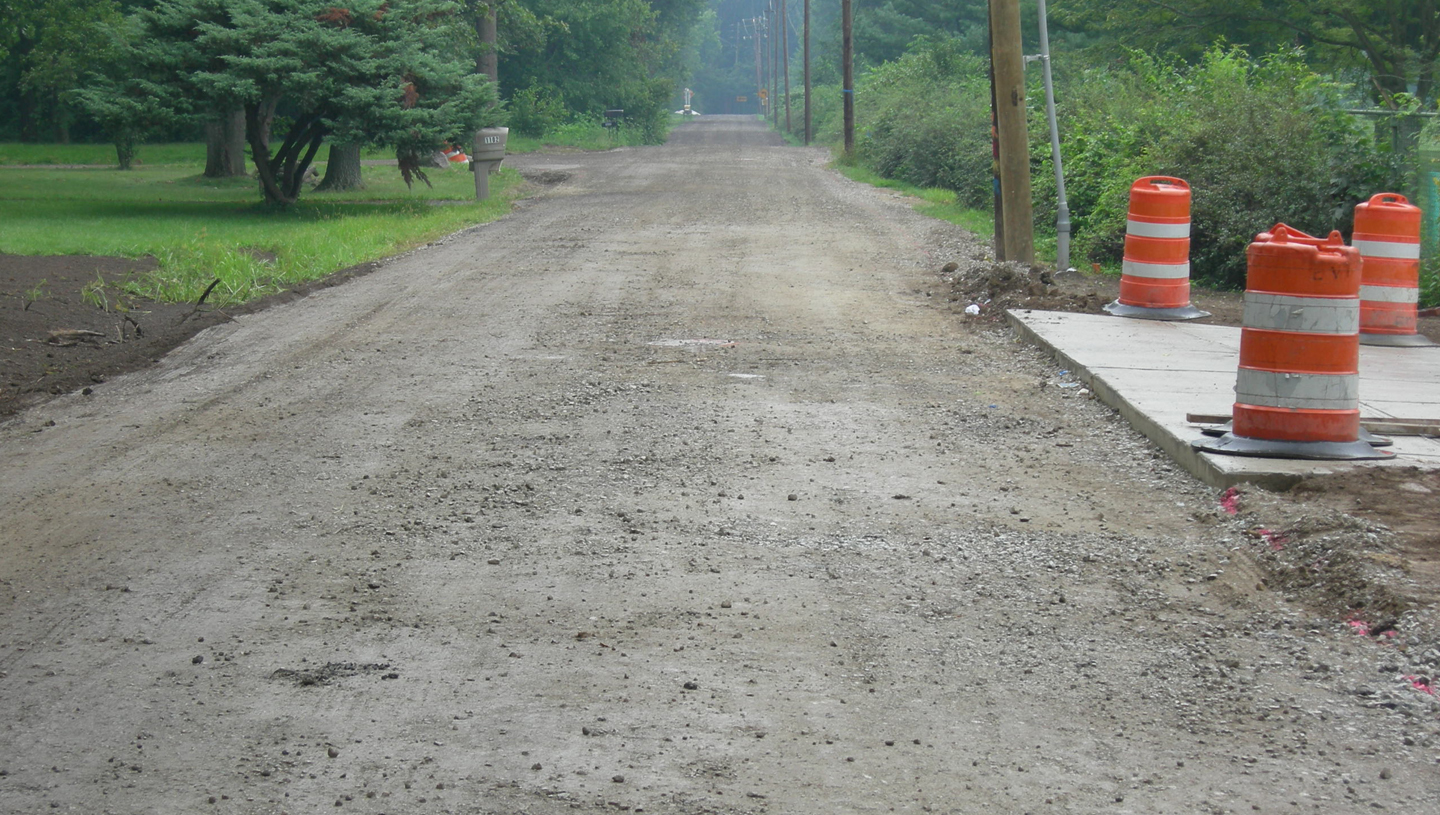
[67, 323]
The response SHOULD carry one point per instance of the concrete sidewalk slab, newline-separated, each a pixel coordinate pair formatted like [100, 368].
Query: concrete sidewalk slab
[1154, 373]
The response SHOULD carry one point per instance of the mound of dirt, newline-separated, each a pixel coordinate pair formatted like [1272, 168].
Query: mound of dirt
[995, 286]
[1006, 285]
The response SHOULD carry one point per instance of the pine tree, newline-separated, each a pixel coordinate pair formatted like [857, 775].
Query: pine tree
[374, 72]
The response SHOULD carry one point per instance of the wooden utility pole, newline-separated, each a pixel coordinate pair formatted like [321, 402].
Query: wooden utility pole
[785, 58]
[762, 36]
[999, 201]
[775, 61]
[489, 55]
[759, 69]
[808, 133]
[847, 59]
[1008, 61]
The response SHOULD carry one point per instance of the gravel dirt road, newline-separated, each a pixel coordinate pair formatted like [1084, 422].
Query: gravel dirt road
[684, 489]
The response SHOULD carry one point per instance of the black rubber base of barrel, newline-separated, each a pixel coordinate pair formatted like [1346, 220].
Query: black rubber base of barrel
[1365, 435]
[1398, 340]
[1187, 312]
[1232, 445]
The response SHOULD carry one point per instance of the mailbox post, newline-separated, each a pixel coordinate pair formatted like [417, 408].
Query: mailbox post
[486, 157]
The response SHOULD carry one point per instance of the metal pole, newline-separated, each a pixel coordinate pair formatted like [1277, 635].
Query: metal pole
[847, 60]
[482, 179]
[1062, 216]
[808, 133]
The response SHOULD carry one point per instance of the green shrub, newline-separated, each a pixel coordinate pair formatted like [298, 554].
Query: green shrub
[924, 119]
[1259, 142]
[536, 110]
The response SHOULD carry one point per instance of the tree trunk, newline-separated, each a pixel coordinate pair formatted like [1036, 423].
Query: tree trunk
[62, 119]
[257, 133]
[28, 116]
[489, 57]
[225, 146]
[125, 151]
[342, 169]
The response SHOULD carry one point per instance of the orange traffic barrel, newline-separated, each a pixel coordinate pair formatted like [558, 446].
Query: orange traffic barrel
[1155, 275]
[1297, 393]
[1387, 233]
[1293, 235]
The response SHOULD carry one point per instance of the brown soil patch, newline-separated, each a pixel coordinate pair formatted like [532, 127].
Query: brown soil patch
[1401, 500]
[65, 323]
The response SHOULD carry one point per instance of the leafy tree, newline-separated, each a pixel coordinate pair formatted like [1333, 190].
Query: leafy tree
[884, 31]
[373, 72]
[598, 54]
[1398, 41]
[128, 103]
[45, 46]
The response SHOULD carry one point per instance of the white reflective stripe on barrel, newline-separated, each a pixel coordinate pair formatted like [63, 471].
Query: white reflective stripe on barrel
[1163, 271]
[1389, 294]
[1299, 391]
[1146, 229]
[1391, 250]
[1312, 315]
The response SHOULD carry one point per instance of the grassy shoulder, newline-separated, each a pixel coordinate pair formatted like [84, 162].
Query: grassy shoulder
[931, 201]
[202, 230]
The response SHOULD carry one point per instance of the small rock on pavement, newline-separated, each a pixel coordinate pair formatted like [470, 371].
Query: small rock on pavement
[333, 751]
[618, 779]
[197, 660]
[692, 685]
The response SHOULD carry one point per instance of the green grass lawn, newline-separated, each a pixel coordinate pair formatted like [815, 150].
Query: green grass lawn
[100, 154]
[202, 230]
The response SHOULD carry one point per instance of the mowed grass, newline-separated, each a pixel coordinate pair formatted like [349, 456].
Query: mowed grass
[201, 230]
[100, 155]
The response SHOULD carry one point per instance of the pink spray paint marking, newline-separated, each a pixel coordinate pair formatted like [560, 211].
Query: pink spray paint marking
[1275, 539]
[1230, 501]
[1421, 685]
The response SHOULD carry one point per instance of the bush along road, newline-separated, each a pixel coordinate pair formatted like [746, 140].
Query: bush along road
[683, 489]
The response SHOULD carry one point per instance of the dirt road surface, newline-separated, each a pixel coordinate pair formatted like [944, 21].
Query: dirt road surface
[680, 490]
